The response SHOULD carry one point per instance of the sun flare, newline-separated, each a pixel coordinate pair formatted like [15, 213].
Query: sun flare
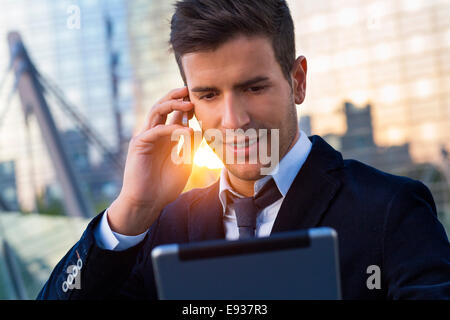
[205, 157]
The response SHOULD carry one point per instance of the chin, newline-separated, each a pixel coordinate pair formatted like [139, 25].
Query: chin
[250, 172]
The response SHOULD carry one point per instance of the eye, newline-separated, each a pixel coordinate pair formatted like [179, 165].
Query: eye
[208, 96]
[256, 89]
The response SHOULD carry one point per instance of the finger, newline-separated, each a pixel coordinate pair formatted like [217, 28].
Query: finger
[159, 113]
[175, 94]
[176, 118]
[162, 131]
[182, 118]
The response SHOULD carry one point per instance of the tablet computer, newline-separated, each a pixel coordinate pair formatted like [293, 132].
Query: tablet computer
[288, 265]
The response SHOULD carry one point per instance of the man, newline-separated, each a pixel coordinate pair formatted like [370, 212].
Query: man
[237, 59]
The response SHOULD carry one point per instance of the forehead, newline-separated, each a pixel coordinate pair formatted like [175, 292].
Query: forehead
[236, 60]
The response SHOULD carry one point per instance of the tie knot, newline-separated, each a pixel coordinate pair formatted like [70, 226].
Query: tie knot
[246, 209]
[268, 194]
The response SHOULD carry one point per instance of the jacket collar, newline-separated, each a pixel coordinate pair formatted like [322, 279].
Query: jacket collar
[312, 190]
[303, 207]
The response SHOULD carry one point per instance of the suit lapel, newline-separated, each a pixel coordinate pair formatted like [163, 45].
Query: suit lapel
[205, 216]
[311, 191]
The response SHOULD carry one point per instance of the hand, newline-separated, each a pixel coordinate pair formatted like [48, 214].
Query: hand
[151, 179]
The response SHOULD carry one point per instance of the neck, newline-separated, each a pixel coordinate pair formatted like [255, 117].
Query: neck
[244, 187]
[247, 187]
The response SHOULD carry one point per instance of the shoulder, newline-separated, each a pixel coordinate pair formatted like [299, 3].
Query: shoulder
[365, 178]
[375, 194]
[388, 198]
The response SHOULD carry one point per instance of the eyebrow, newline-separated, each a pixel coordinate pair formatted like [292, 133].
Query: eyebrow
[236, 86]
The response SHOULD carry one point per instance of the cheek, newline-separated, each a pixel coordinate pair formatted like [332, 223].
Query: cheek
[273, 110]
[207, 117]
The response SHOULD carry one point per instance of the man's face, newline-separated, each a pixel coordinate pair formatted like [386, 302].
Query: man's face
[240, 85]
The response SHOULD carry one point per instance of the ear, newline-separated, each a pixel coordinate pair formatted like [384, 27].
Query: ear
[299, 79]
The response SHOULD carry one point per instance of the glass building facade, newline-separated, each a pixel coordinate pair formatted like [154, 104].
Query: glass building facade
[155, 69]
[394, 55]
[379, 86]
[73, 44]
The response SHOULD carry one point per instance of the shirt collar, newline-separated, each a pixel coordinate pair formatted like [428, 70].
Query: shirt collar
[284, 173]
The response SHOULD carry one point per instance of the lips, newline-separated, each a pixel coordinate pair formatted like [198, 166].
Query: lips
[246, 144]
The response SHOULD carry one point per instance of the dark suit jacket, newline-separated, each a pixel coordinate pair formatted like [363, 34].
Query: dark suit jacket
[381, 219]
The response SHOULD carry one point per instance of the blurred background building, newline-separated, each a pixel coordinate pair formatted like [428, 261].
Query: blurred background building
[85, 64]
[378, 90]
[379, 84]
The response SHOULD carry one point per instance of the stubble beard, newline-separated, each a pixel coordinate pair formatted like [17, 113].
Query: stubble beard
[252, 172]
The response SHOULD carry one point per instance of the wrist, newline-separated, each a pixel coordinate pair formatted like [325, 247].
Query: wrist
[131, 219]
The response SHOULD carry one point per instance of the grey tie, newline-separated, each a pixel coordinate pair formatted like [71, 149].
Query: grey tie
[246, 209]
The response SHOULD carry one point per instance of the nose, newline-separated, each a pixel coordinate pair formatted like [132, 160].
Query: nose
[235, 115]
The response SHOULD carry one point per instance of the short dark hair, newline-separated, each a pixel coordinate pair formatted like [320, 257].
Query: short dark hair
[199, 25]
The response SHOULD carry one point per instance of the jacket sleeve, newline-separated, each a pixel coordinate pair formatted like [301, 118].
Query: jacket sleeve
[416, 250]
[103, 274]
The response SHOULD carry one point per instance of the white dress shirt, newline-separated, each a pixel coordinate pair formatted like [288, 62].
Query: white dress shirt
[284, 175]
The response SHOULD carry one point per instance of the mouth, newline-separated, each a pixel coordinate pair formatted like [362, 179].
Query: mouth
[244, 145]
